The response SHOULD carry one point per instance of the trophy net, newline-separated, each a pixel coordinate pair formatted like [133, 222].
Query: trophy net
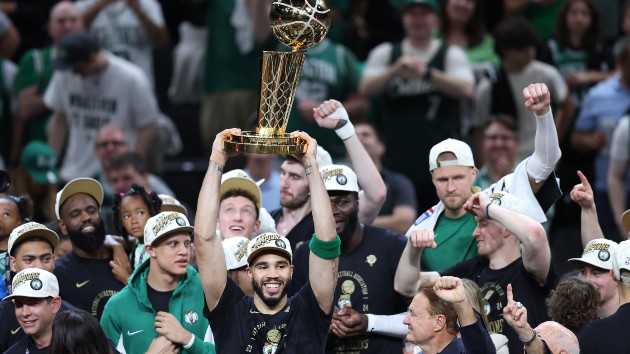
[279, 79]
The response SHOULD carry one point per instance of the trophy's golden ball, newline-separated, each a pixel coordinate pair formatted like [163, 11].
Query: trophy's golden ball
[299, 24]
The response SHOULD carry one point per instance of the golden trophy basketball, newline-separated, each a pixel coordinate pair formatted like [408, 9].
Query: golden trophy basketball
[299, 24]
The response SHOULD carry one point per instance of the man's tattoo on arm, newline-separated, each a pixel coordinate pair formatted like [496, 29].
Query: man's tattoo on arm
[308, 169]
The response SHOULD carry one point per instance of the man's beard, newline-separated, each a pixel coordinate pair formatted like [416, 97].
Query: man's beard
[88, 242]
[349, 228]
[296, 202]
[269, 301]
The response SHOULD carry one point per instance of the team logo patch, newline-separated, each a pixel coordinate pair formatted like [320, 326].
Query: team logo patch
[281, 244]
[603, 255]
[180, 221]
[371, 259]
[36, 284]
[190, 317]
[342, 180]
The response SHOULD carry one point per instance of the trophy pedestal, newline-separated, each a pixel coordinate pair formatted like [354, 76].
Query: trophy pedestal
[250, 142]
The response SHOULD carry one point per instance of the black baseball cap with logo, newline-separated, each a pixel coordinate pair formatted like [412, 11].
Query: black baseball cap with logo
[75, 49]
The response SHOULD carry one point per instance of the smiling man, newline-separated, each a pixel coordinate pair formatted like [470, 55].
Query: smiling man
[270, 321]
[85, 274]
[367, 266]
[36, 298]
[164, 294]
[240, 204]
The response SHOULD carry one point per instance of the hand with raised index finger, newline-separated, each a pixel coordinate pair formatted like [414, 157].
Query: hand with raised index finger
[514, 312]
[537, 98]
[582, 193]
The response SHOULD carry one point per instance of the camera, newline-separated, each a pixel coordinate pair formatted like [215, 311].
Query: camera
[5, 181]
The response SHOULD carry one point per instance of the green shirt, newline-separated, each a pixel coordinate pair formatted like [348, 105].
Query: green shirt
[454, 243]
[35, 69]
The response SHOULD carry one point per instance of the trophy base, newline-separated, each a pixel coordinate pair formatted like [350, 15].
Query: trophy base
[278, 144]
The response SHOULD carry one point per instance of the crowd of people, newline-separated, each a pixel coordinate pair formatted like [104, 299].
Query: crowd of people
[502, 246]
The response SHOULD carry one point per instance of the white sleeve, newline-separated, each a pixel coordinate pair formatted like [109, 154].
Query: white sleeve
[154, 11]
[378, 60]
[546, 148]
[457, 64]
[619, 145]
[389, 325]
[53, 97]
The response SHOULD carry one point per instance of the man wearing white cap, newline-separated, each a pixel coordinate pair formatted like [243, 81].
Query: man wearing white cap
[31, 245]
[610, 335]
[294, 219]
[164, 295]
[235, 251]
[85, 274]
[240, 201]
[453, 171]
[513, 249]
[36, 298]
[367, 265]
[595, 265]
[268, 322]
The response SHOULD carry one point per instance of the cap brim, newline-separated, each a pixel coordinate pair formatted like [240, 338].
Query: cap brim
[88, 186]
[625, 220]
[578, 261]
[244, 184]
[45, 233]
[268, 249]
[184, 228]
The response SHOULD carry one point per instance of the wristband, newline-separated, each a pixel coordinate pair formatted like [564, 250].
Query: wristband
[325, 249]
[488, 211]
[531, 340]
[346, 132]
[371, 320]
[191, 342]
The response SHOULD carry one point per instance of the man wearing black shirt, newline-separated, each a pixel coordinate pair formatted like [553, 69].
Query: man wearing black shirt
[367, 265]
[609, 335]
[270, 322]
[36, 298]
[294, 219]
[31, 245]
[503, 231]
[85, 274]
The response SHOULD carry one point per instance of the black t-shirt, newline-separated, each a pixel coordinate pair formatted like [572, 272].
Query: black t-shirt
[238, 327]
[10, 330]
[159, 299]
[26, 345]
[86, 283]
[607, 335]
[493, 284]
[366, 281]
[400, 191]
[301, 232]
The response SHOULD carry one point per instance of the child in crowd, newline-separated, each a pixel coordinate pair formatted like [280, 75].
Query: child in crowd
[131, 212]
[14, 211]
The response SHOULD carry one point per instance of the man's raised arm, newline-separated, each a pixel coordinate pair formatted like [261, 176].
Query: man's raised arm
[332, 115]
[409, 278]
[546, 147]
[325, 246]
[210, 256]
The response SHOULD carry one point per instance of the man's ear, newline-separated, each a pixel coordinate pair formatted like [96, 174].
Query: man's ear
[62, 226]
[12, 264]
[150, 250]
[257, 226]
[440, 323]
[249, 273]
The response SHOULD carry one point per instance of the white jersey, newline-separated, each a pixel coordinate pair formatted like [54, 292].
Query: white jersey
[120, 94]
[120, 31]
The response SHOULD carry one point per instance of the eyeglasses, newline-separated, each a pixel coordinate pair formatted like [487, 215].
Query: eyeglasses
[113, 143]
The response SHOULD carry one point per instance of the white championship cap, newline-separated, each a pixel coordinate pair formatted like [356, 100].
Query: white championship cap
[163, 224]
[235, 250]
[169, 203]
[34, 282]
[239, 179]
[621, 260]
[268, 242]
[339, 178]
[598, 253]
[509, 201]
[460, 149]
[32, 229]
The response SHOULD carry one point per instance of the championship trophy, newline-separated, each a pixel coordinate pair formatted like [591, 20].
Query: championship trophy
[299, 24]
